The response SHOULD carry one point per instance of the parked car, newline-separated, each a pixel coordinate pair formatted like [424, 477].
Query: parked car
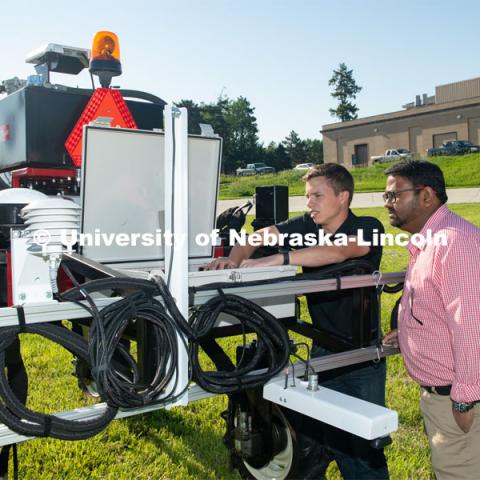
[469, 147]
[303, 166]
[454, 147]
[392, 155]
[253, 169]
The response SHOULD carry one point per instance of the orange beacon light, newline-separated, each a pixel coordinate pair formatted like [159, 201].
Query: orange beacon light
[105, 57]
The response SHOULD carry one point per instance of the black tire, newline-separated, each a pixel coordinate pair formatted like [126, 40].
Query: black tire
[295, 461]
[283, 465]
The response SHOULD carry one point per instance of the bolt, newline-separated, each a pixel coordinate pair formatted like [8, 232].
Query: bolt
[312, 382]
[235, 277]
[22, 296]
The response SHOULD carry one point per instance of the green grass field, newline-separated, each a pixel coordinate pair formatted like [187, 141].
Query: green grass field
[461, 171]
[186, 443]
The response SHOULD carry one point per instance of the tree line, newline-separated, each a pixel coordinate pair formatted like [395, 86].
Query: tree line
[234, 120]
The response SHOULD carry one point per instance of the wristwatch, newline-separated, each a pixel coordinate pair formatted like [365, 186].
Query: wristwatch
[462, 407]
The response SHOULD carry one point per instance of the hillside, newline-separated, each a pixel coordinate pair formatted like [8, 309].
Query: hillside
[461, 171]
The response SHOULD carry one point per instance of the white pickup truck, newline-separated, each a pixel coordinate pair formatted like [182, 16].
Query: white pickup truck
[254, 168]
[392, 155]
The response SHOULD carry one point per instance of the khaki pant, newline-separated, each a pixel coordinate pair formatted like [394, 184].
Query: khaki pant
[455, 454]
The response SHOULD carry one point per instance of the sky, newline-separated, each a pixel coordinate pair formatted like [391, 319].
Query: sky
[278, 54]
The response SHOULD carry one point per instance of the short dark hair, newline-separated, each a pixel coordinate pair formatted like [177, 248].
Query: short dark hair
[338, 177]
[421, 174]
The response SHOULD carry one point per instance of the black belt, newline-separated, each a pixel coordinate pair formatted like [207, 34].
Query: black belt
[443, 390]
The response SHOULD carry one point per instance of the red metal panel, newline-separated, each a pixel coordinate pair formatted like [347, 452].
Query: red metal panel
[29, 172]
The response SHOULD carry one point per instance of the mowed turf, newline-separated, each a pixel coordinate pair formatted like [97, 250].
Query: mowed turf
[186, 443]
[459, 171]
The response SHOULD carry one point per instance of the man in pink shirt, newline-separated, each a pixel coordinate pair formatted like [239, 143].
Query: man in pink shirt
[439, 315]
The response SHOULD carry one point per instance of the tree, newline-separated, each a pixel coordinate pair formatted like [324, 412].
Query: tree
[214, 114]
[314, 150]
[295, 148]
[276, 156]
[211, 113]
[234, 121]
[345, 88]
[241, 140]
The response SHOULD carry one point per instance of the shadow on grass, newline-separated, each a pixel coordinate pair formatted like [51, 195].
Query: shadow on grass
[206, 446]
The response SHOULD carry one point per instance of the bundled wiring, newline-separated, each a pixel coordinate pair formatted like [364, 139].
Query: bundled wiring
[273, 341]
[118, 378]
[273, 345]
[27, 422]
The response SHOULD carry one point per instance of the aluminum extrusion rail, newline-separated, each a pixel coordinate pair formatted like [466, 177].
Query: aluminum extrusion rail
[49, 312]
[55, 311]
[299, 287]
[343, 359]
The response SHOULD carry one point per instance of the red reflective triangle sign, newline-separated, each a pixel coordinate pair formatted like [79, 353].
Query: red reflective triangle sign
[104, 102]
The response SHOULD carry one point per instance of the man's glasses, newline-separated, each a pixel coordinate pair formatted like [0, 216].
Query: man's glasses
[391, 196]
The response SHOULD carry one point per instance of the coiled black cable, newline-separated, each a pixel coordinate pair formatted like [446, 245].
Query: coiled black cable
[115, 386]
[27, 422]
[273, 345]
[273, 341]
[119, 382]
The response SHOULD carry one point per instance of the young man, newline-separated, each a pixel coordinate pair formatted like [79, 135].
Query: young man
[329, 191]
[439, 316]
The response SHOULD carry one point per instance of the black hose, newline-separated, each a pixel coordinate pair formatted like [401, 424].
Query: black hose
[121, 388]
[273, 345]
[272, 338]
[27, 422]
[119, 381]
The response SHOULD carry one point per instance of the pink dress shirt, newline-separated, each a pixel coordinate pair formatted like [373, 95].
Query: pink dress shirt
[439, 315]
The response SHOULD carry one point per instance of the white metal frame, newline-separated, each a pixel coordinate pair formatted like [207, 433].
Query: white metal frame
[48, 312]
[176, 222]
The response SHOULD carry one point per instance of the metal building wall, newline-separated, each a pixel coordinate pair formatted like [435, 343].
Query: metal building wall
[457, 91]
[416, 133]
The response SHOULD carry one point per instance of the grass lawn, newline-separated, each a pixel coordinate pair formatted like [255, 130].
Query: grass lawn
[186, 443]
[461, 171]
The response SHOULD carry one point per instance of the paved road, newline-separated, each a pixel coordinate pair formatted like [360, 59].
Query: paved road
[364, 200]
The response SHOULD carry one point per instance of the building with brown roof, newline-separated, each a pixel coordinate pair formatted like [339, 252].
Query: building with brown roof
[453, 113]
